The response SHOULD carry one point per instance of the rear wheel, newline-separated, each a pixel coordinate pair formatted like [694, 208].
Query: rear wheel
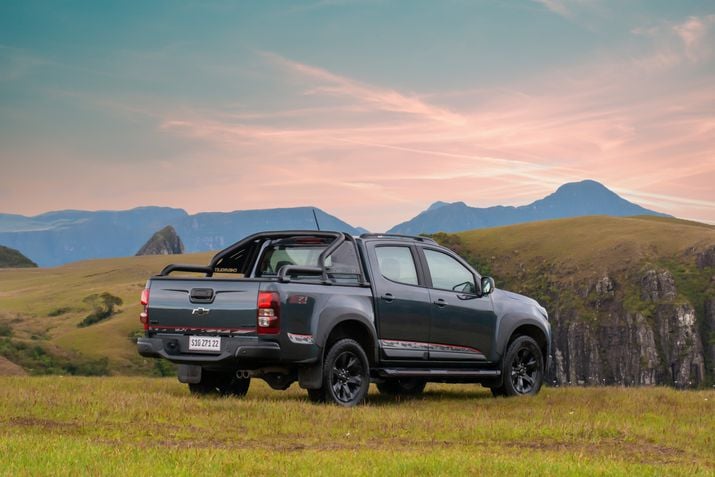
[522, 369]
[346, 374]
[220, 383]
[402, 387]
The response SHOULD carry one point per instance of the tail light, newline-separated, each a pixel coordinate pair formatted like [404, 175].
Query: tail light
[144, 315]
[268, 319]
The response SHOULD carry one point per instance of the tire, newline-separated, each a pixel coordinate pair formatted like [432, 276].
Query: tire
[346, 374]
[223, 384]
[402, 387]
[522, 368]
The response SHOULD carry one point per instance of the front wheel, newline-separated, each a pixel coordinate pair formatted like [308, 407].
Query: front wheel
[346, 374]
[522, 369]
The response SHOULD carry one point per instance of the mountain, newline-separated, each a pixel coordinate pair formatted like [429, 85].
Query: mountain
[55, 238]
[11, 258]
[570, 200]
[165, 242]
[630, 301]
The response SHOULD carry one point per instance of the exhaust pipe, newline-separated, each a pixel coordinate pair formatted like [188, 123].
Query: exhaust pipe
[244, 374]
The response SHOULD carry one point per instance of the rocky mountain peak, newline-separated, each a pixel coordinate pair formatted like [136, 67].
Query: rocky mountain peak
[164, 242]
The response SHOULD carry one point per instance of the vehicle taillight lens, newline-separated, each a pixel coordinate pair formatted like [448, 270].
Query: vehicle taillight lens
[268, 319]
[144, 315]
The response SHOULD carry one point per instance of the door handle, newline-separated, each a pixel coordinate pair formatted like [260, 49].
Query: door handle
[388, 297]
[440, 302]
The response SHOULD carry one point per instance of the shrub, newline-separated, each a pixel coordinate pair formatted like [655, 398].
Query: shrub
[102, 308]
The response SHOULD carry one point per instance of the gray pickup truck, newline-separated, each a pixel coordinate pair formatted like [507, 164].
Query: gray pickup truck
[336, 312]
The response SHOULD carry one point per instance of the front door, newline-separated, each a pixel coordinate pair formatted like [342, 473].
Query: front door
[403, 303]
[462, 323]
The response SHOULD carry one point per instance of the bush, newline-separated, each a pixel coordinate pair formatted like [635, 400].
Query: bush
[37, 360]
[59, 311]
[5, 329]
[102, 308]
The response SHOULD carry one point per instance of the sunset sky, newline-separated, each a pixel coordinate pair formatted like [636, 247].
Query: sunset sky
[370, 110]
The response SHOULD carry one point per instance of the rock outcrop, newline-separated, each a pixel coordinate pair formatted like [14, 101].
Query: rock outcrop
[11, 258]
[165, 242]
[655, 340]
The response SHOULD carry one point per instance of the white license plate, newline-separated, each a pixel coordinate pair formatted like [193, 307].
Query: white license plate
[204, 343]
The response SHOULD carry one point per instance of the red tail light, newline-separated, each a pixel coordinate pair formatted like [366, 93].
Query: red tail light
[268, 319]
[144, 315]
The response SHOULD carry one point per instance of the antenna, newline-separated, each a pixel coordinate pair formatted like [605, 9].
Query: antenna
[315, 216]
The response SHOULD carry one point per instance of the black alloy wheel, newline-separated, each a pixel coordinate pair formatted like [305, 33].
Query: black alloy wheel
[346, 374]
[523, 369]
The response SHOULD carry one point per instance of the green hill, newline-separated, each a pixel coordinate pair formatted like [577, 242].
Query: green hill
[11, 258]
[631, 301]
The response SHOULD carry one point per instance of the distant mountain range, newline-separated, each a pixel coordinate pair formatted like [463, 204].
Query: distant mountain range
[55, 238]
[66, 236]
[570, 200]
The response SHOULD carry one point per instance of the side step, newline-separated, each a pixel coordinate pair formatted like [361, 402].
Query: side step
[437, 373]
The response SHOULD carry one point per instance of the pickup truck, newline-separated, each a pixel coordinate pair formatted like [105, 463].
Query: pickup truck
[336, 312]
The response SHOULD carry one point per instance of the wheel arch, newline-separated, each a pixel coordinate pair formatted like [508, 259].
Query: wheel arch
[353, 327]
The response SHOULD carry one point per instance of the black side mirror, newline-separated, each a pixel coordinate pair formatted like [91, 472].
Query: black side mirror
[488, 285]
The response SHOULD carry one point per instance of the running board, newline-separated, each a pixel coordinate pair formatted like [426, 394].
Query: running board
[436, 373]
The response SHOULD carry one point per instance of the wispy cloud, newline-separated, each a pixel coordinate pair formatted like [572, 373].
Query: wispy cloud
[381, 98]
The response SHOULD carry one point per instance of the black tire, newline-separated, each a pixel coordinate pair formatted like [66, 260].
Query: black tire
[346, 374]
[402, 387]
[522, 368]
[223, 384]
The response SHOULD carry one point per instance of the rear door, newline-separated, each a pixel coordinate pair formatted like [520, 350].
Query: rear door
[403, 306]
[462, 323]
[207, 306]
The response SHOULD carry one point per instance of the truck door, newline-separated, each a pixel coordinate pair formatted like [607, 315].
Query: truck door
[402, 302]
[462, 323]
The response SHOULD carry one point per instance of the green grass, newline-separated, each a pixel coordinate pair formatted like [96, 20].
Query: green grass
[144, 426]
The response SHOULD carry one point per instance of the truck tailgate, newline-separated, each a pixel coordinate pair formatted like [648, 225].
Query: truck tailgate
[203, 306]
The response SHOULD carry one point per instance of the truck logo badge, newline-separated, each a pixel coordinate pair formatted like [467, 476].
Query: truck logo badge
[200, 311]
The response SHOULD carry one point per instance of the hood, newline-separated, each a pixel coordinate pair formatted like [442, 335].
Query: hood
[507, 295]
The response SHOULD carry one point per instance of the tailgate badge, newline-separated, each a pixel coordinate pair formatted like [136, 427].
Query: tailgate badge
[200, 311]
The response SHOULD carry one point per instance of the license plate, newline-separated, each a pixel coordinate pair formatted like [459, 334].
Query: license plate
[204, 343]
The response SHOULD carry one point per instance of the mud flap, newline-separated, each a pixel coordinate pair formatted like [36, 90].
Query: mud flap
[311, 377]
[188, 373]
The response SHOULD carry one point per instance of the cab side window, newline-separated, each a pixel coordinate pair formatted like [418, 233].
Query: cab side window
[396, 264]
[448, 274]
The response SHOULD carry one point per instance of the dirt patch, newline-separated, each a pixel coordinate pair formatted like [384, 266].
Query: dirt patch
[8, 368]
[47, 424]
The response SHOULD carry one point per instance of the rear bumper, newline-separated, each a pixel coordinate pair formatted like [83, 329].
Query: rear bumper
[232, 350]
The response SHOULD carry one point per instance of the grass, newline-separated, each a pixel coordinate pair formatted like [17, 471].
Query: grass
[96, 426]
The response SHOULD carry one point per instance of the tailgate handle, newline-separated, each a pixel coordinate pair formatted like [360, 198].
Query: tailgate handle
[201, 295]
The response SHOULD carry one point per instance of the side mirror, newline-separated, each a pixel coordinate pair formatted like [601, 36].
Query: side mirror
[488, 285]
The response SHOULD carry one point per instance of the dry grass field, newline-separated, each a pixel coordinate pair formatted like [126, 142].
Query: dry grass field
[153, 426]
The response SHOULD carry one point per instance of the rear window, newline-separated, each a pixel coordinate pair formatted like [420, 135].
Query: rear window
[342, 265]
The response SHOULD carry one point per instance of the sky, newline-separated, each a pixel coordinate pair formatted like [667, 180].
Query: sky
[368, 109]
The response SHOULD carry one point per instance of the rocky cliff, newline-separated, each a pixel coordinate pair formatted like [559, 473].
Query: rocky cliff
[631, 300]
[164, 242]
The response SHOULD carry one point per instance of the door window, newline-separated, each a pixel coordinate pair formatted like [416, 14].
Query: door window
[397, 264]
[448, 274]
